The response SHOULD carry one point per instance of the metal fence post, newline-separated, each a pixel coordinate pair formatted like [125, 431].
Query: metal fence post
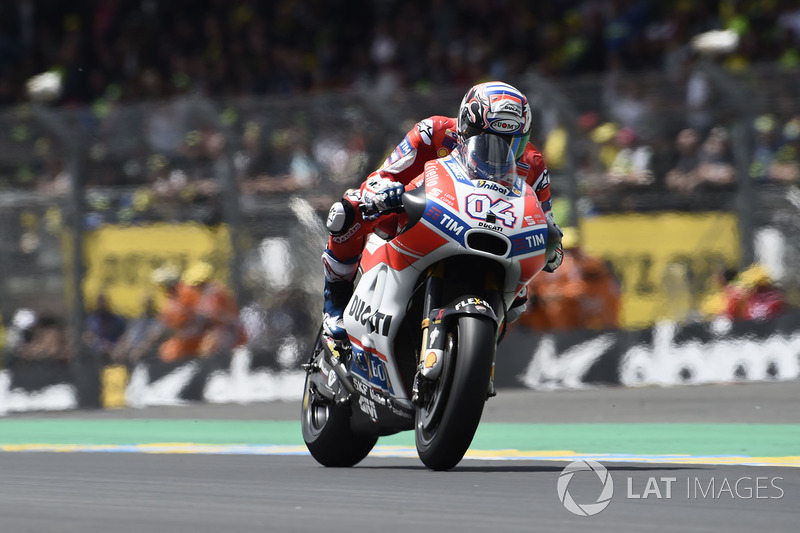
[569, 116]
[742, 144]
[231, 209]
[84, 368]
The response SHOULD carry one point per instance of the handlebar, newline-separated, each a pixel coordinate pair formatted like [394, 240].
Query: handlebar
[371, 212]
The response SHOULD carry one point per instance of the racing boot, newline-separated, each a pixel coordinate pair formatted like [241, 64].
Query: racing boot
[339, 277]
[337, 294]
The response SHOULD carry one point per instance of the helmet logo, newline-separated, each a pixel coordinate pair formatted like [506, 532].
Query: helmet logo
[504, 125]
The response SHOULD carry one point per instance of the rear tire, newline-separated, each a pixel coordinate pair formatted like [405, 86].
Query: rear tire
[446, 425]
[326, 427]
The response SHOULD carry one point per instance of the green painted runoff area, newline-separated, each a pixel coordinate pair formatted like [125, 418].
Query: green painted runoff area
[757, 440]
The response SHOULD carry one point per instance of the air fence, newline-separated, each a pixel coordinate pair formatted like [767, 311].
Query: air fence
[93, 199]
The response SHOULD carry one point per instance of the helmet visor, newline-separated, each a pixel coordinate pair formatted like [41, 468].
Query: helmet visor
[487, 157]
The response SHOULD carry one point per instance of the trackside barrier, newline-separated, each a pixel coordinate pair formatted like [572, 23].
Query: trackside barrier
[665, 354]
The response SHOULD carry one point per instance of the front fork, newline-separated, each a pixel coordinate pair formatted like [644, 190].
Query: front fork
[434, 331]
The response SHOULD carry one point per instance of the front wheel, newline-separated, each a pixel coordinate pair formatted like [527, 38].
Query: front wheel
[447, 422]
[326, 426]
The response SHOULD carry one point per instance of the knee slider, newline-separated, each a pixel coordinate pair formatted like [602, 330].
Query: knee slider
[340, 217]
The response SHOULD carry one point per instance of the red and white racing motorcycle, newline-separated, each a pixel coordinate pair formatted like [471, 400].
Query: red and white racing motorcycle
[428, 311]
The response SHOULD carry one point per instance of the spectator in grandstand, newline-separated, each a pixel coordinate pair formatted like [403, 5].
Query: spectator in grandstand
[715, 169]
[765, 145]
[216, 316]
[178, 316]
[754, 296]
[785, 167]
[707, 165]
[582, 294]
[714, 302]
[43, 339]
[104, 328]
[141, 337]
[682, 177]
[632, 166]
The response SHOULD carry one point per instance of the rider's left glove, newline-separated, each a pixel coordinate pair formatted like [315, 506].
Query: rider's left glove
[557, 255]
[517, 307]
[381, 195]
[555, 259]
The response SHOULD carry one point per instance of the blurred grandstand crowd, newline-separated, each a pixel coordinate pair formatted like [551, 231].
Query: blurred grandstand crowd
[313, 93]
[152, 49]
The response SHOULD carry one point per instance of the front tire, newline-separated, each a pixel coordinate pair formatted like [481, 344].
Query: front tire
[446, 424]
[326, 427]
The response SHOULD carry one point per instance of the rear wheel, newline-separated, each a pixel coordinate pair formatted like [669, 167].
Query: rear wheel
[447, 422]
[326, 426]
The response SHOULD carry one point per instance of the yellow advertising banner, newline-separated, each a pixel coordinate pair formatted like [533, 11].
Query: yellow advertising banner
[664, 261]
[120, 260]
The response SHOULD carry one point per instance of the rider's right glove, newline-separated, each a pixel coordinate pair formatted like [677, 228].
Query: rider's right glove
[381, 195]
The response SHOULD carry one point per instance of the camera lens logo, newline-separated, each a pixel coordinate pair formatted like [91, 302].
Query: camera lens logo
[586, 509]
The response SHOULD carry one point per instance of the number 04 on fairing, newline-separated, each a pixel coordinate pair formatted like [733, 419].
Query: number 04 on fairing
[428, 311]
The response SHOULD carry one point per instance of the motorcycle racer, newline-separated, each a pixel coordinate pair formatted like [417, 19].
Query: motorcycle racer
[492, 107]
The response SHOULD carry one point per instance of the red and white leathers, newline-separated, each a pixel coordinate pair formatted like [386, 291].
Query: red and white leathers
[431, 138]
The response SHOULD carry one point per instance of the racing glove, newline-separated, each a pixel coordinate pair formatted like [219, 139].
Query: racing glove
[557, 255]
[554, 261]
[381, 195]
[517, 307]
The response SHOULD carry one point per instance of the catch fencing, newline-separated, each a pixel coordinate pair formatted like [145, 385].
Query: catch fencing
[93, 199]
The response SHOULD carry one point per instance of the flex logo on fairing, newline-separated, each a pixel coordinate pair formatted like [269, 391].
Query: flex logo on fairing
[472, 301]
[479, 204]
[374, 321]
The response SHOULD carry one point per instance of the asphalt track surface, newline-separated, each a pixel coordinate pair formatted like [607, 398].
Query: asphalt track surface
[134, 492]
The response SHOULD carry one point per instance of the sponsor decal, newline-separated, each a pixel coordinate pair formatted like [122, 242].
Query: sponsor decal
[446, 220]
[425, 128]
[543, 181]
[375, 321]
[504, 125]
[529, 242]
[492, 186]
[360, 386]
[433, 337]
[368, 407]
[492, 227]
[377, 396]
[430, 359]
[450, 140]
[352, 231]
[472, 301]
